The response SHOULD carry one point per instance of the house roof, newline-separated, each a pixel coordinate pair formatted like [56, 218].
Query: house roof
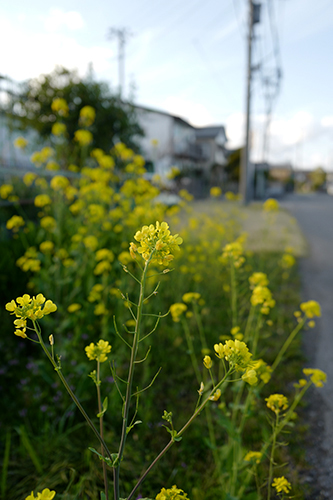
[209, 132]
[165, 113]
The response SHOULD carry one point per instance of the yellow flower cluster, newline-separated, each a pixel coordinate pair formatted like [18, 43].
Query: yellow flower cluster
[271, 205]
[281, 485]
[60, 106]
[59, 129]
[5, 191]
[15, 222]
[83, 137]
[177, 310]
[253, 456]
[98, 351]
[234, 251]
[261, 295]
[191, 297]
[41, 200]
[215, 192]
[27, 307]
[87, 116]
[236, 353]
[173, 493]
[263, 370]
[156, 243]
[277, 402]
[29, 261]
[317, 377]
[46, 494]
[258, 279]
[311, 308]
[20, 143]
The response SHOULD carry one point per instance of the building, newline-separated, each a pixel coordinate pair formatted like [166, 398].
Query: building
[170, 141]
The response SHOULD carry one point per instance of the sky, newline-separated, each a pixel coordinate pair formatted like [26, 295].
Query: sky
[189, 58]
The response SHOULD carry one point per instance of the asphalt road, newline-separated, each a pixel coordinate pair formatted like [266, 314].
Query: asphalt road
[314, 214]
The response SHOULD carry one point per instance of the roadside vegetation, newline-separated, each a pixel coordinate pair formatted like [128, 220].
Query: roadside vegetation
[151, 347]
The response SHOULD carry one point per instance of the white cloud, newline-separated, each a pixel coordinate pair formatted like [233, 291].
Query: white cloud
[29, 56]
[235, 130]
[290, 131]
[58, 19]
[327, 121]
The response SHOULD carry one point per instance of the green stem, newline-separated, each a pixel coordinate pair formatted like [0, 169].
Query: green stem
[287, 344]
[233, 293]
[101, 430]
[70, 392]
[179, 434]
[191, 351]
[130, 377]
[271, 460]
[200, 327]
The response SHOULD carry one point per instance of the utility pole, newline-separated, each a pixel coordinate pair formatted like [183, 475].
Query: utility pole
[121, 34]
[244, 181]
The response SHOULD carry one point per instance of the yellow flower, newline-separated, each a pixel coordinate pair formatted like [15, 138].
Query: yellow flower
[173, 493]
[98, 351]
[191, 297]
[263, 370]
[20, 142]
[125, 258]
[253, 456]
[59, 182]
[42, 200]
[261, 295]
[287, 261]
[271, 205]
[90, 242]
[229, 195]
[277, 402]
[102, 267]
[237, 353]
[45, 495]
[216, 395]
[104, 254]
[29, 178]
[83, 137]
[311, 308]
[215, 192]
[58, 129]
[48, 223]
[100, 310]
[281, 485]
[106, 161]
[60, 106]
[207, 361]
[317, 377]
[87, 116]
[46, 246]
[156, 243]
[52, 165]
[27, 307]
[74, 307]
[250, 376]
[5, 191]
[177, 310]
[15, 222]
[258, 279]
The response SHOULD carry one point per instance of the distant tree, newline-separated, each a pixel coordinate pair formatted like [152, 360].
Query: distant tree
[114, 121]
[317, 178]
[233, 165]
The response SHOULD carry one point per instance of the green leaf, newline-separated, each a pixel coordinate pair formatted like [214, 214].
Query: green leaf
[130, 427]
[105, 407]
[103, 497]
[105, 459]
